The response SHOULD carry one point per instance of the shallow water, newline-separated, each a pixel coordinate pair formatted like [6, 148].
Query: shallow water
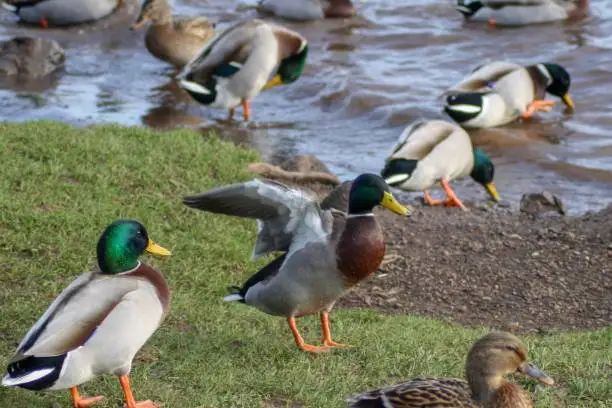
[366, 79]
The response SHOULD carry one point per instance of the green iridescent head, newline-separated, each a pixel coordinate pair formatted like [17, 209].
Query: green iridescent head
[484, 172]
[370, 190]
[290, 69]
[122, 243]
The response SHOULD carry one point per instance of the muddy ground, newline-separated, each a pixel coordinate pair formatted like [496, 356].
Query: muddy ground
[492, 266]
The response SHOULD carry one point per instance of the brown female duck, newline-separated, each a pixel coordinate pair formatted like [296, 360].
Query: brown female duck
[326, 252]
[175, 40]
[490, 358]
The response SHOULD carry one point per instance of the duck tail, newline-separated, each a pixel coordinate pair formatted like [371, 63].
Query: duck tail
[10, 7]
[234, 295]
[34, 373]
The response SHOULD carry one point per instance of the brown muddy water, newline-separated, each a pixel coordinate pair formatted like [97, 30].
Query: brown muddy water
[366, 79]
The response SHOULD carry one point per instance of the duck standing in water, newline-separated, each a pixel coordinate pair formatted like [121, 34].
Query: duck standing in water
[98, 323]
[435, 151]
[60, 12]
[489, 360]
[522, 12]
[326, 252]
[499, 92]
[175, 40]
[306, 10]
[241, 62]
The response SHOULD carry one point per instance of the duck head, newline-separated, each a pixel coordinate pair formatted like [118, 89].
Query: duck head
[368, 191]
[122, 243]
[483, 172]
[559, 83]
[290, 68]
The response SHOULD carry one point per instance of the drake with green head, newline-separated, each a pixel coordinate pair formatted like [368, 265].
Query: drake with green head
[325, 251]
[430, 152]
[241, 62]
[99, 322]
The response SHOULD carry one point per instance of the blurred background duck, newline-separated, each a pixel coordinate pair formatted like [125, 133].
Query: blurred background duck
[498, 93]
[175, 40]
[325, 251]
[245, 59]
[491, 358]
[436, 151]
[305, 10]
[98, 323]
[522, 12]
[60, 12]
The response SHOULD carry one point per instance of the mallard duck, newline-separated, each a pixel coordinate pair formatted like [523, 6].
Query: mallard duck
[241, 62]
[174, 40]
[60, 12]
[435, 151]
[490, 358]
[304, 10]
[326, 251]
[98, 323]
[522, 12]
[498, 93]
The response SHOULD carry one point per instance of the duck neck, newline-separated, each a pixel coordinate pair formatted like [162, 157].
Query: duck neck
[484, 387]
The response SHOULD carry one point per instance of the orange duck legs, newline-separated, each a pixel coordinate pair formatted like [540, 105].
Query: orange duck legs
[129, 397]
[451, 201]
[246, 111]
[300, 341]
[537, 106]
[80, 402]
[327, 340]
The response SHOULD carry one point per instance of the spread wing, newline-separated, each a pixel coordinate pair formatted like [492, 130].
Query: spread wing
[74, 315]
[286, 217]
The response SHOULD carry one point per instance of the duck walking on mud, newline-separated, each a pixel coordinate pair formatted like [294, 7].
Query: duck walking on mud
[326, 252]
[491, 358]
[98, 323]
[435, 151]
[241, 62]
[175, 40]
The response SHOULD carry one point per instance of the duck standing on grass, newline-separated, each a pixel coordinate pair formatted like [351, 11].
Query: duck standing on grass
[522, 12]
[489, 360]
[435, 151]
[98, 323]
[175, 40]
[326, 252]
[305, 10]
[241, 62]
[498, 93]
[60, 12]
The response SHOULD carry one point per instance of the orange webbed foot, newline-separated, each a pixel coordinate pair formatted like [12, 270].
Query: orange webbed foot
[246, 110]
[429, 200]
[144, 404]
[44, 23]
[81, 402]
[331, 343]
[313, 349]
[453, 200]
[538, 106]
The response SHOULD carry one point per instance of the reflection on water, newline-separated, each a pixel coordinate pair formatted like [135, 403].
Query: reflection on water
[366, 79]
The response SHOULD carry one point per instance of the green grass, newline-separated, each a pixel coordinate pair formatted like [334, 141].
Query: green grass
[61, 186]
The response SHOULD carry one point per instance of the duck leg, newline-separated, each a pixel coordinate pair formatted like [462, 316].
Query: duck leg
[429, 200]
[327, 340]
[246, 110]
[453, 200]
[80, 402]
[537, 106]
[300, 341]
[124, 380]
[230, 113]
[44, 23]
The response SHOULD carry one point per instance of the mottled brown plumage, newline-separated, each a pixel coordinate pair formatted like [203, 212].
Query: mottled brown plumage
[490, 358]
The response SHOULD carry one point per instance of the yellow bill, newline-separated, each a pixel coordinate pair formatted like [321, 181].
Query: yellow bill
[390, 203]
[567, 100]
[155, 249]
[492, 192]
[275, 81]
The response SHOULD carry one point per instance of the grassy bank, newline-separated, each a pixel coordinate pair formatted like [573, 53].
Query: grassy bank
[61, 186]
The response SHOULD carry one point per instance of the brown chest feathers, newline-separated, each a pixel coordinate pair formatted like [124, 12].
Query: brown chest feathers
[360, 250]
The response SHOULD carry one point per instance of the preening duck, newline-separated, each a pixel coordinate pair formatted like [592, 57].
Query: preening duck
[489, 360]
[326, 252]
[175, 40]
[98, 323]
[241, 62]
[522, 12]
[498, 93]
[436, 151]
